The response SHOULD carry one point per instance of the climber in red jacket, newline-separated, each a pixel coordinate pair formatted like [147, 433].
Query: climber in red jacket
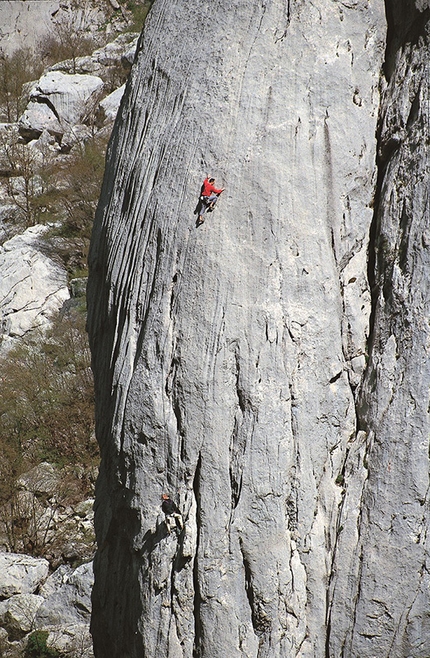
[209, 196]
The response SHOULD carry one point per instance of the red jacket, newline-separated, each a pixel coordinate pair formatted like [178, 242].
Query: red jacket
[208, 188]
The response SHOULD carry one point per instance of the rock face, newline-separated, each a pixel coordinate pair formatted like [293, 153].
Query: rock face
[24, 22]
[383, 552]
[231, 360]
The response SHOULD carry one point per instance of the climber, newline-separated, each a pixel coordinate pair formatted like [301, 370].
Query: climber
[208, 196]
[173, 515]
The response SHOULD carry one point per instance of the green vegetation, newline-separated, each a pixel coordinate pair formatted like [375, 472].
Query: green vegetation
[70, 199]
[15, 70]
[46, 406]
[47, 397]
[46, 414]
[139, 12]
[37, 647]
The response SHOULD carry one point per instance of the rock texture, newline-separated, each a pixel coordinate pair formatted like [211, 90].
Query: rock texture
[25, 22]
[21, 574]
[61, 607]
[230, 360]
[385, 518]
[32, 286]
[57, 102]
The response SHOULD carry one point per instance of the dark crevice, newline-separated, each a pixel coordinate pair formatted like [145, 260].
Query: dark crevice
[47, 102]
[128, 194]
[405, 24]
[414, 111]
[248, 586]
[260, 622]
[197, 593]
[287, 22]
[157, 260]
[340, 481]
[173, 295]
[242, 431]
[335, 377]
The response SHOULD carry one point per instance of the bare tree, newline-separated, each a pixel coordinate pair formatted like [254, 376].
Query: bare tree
[15, 70]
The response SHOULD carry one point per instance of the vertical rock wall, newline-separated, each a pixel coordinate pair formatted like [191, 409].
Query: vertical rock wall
[227, 357]
[385, 512]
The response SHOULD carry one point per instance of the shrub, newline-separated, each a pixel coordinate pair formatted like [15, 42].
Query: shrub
[15, 70]
[37, 647]
[139, 11]
[73, 197]
[46, 406]
[71, 36]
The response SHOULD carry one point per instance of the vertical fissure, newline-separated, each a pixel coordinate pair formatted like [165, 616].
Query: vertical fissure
[405, 24]
[196, 581]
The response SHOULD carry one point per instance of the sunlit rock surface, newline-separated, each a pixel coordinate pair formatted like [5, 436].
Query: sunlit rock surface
[32, 286]
[230, 358]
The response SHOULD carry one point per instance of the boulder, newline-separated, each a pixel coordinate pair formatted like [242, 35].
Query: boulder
[78, 134]
[21, 574]
[109, 105]
[129, 55]
[53, 583]
[70, 604]
[32, 286]
[38, 117]
[59, 101]
[73, 639]
[105, 61]
[18, 613]
[41, 481]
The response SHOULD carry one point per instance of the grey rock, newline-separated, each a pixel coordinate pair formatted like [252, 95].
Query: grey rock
[103, 62]
[37, 118]
[32, 286]
[24, 22]
[21, 574]
[17, 615]
[381, 570]
[227, 357]
[269, 369]
[70, 604]
[72, 640]
[55, 581]
[59, 101]
[128, 57]
[77, 135]
[110, 104]
[42, 480]
[85, 508]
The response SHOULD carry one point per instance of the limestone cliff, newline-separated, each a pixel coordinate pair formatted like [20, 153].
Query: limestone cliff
[268, 369]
